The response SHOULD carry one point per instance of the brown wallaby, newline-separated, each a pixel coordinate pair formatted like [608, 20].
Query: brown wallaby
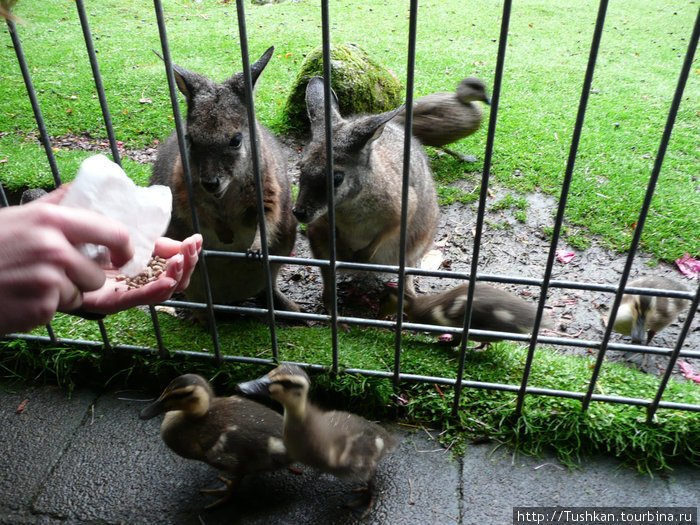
[367, 180]
[218, 142]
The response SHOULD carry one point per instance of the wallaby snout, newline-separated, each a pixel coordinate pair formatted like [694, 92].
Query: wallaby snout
[218, 143]
[367, 185]
[302, 214]
[211, 186]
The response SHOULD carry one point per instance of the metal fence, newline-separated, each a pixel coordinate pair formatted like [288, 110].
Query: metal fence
[333, 319]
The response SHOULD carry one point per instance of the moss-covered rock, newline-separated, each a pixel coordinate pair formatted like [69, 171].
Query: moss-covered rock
[362, 85]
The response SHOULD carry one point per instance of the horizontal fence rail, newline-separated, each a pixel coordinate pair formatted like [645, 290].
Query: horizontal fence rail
[333, 318]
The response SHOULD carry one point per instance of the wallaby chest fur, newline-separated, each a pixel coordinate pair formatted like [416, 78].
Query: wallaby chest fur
[218, 139]
[368, 175]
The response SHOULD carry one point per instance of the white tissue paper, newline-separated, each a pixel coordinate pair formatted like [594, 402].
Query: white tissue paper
[102, 186]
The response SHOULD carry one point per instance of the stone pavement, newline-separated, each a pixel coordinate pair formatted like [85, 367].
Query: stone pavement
[88, 459]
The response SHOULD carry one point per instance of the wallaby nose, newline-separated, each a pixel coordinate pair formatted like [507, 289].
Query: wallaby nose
[300, 214]
[211, 185]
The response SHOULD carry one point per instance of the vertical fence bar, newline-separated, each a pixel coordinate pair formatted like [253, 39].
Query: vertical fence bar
[654, 405]
[250, 107]
[3, 197]
[328, 124]
[488, 154]
[184, 156]
[571, 161]
[656, 170]
[408, 136]
[45, 140]
[87, 35]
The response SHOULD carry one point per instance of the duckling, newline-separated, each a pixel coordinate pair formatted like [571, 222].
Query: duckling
[492, 309]
[340, 443]
[442, 118]
[640, 313]
[233, 434]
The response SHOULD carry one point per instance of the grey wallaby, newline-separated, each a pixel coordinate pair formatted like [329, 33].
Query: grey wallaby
[367, 179]
[218, 141]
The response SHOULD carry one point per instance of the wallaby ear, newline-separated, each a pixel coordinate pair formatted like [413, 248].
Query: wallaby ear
[315, 106]
[260, 64]
[370, 128]
[187, 81]
[236, 81]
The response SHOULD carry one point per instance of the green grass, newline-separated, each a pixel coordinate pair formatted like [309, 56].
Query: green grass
[548, 43]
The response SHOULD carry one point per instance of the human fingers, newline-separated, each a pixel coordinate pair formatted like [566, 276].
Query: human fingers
[191, 247]
[70, 298]
[50, 247]
[48, 282]
[81, 226]
[166, 247]
[32, 293]
[55, 196]
[174, 269]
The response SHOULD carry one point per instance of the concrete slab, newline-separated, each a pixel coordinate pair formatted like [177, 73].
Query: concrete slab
[37, 427]
[496, 480]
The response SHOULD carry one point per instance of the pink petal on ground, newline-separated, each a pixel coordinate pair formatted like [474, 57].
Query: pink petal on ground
[445, 338]
[689, 372]
[565, 256]
[689, 266]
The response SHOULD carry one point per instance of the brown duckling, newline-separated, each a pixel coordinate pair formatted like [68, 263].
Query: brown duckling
[340, 443]
[442, 118]
[492, 309]
[650, 313]
[234, 434]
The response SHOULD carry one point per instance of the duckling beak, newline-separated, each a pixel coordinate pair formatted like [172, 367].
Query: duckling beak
[153, 409]
[638, 328]
[487, 100]
[259, 387]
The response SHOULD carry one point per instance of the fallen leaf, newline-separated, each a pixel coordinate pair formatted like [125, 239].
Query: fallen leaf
[445, 338]
[21, 406]
[689, 266]
[565, 256]
[431, 260]
[689, 372]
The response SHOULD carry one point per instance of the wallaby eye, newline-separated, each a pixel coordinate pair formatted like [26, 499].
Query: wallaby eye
[188, 140]
[338, 177]
[236, 140]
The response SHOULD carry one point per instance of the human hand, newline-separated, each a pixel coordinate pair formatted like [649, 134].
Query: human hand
[115, 296]
[41, 270]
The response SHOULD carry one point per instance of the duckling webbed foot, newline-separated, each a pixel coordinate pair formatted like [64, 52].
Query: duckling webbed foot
[363, 504]
[463, 158]
[225, 492]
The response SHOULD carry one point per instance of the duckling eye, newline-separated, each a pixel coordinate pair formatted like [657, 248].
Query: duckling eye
[338, 178]
[236, 141]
